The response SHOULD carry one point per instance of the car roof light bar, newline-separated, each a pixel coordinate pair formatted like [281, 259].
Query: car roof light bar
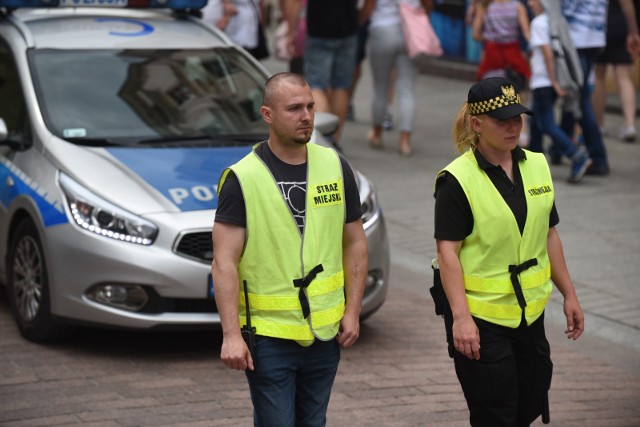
[146, 4]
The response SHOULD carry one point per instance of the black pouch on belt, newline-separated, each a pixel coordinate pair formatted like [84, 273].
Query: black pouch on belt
[437, 291]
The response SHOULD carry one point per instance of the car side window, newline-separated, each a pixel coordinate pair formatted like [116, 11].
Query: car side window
[12, 105]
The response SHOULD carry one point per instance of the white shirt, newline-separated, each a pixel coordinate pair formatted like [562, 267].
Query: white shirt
[385, 13]
[587, 22]
[540, 36]
[243, 27]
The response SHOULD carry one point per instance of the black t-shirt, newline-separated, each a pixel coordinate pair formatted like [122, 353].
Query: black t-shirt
[292, 182]
[332, 19]
[453, 215]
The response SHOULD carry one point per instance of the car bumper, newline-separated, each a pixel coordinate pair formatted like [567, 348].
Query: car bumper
[82, 260]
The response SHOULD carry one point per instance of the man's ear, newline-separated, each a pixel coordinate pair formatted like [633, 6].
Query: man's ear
[266, 113]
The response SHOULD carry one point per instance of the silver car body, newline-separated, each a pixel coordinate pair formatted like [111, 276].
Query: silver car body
[173, 188]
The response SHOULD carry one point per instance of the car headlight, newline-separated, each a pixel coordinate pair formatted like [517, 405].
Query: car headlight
[368, 199]
[98, 216]
[369, 207]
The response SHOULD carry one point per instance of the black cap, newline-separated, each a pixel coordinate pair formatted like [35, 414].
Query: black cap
[496, 97]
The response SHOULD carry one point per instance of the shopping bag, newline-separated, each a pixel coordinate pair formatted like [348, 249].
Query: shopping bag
[422, 41]
[280, 42]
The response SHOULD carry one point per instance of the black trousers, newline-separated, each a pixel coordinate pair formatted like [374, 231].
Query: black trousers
[508, 385]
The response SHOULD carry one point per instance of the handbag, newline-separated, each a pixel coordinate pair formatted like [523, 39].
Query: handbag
[280, 42]
[261, 51]
[422, 41]
[280, 48]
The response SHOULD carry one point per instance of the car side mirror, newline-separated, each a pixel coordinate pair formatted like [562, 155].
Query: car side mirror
[16, 142]
[4, 133]
[326, 123]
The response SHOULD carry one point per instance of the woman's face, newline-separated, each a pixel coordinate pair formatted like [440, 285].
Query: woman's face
[501, 135]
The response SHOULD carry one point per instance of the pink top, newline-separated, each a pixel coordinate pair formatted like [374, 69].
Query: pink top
[501, 22]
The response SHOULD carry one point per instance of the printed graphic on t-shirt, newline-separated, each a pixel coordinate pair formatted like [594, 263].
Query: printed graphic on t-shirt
[294, 194]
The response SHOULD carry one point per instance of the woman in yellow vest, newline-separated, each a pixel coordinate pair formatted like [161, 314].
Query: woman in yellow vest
[498, 255]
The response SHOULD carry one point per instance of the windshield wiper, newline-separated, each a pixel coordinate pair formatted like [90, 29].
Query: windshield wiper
[94, 142]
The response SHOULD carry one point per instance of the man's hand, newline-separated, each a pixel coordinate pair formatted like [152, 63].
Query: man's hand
[235, 354]
[349, 330]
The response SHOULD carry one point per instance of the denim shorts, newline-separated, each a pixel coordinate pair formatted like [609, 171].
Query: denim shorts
[329, 63]
[291, 384]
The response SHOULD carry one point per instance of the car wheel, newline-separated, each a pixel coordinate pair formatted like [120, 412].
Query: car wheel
[28, 286]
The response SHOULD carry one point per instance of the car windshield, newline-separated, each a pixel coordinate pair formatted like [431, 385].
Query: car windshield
[131, 97]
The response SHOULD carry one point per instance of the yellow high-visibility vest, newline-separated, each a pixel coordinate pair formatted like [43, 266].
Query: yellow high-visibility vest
[495, 243]
[276, 254]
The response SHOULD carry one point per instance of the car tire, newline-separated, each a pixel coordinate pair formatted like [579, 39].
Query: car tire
[28, 286]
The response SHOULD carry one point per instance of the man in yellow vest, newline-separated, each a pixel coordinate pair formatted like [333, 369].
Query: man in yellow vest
[289, 227]
[498, 254]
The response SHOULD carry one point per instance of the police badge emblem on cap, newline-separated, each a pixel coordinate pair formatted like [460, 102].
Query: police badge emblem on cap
[497, 98]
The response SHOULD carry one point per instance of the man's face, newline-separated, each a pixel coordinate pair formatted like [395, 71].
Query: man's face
[291, 115]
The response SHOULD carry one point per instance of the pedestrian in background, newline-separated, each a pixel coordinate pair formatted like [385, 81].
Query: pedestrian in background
[241, 21]
[288, 237]
[499, 255]
[329, 53]
[499, 24]
[296, 56]
[618, 56]
[546, 87]
[363, 39]
[388, 52]
[587, 24]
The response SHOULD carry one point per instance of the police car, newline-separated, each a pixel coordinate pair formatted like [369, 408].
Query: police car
[116, 120]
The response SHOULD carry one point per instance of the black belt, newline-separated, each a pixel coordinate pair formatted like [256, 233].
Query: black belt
[302, 284]
[515, 270]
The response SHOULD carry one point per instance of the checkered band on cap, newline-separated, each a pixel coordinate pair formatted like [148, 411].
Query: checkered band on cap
[508, 97]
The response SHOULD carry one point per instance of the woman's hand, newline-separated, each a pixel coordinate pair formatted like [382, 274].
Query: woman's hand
[575, 318]
[466, 337]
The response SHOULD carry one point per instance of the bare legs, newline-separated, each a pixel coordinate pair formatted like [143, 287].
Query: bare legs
[334, 101]
[626, 91]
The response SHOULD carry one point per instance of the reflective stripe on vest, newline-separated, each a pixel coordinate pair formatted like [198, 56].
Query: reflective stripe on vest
[276, 255]
[490, 292]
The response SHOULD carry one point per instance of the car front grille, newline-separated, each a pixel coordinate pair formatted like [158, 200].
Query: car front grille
[196, 245]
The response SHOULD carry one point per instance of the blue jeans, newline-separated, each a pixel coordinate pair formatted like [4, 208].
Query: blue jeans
[329, 63]
[291, 384]
[544, 99]
[588, 123]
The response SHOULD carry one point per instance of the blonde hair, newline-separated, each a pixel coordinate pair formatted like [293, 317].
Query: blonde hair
[464, 137]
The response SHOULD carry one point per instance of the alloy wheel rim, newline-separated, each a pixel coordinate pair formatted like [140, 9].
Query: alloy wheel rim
[27, 278]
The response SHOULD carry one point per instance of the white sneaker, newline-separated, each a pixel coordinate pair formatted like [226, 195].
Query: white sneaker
[628, 134]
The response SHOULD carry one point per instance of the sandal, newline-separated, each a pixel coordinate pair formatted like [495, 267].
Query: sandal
[375, 143]
[405, 151]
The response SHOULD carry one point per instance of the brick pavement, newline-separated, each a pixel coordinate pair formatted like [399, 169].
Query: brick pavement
[399, 373]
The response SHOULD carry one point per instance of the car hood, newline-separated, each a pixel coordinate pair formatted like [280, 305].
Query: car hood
[185, 177]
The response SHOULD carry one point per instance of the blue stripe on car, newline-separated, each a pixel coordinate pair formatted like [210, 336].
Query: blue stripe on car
[188, 177]
[50, 207]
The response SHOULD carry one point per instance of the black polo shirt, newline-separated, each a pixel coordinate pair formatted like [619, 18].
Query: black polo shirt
[453, 215]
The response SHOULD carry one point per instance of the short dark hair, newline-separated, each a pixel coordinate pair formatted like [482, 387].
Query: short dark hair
[274, 82]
